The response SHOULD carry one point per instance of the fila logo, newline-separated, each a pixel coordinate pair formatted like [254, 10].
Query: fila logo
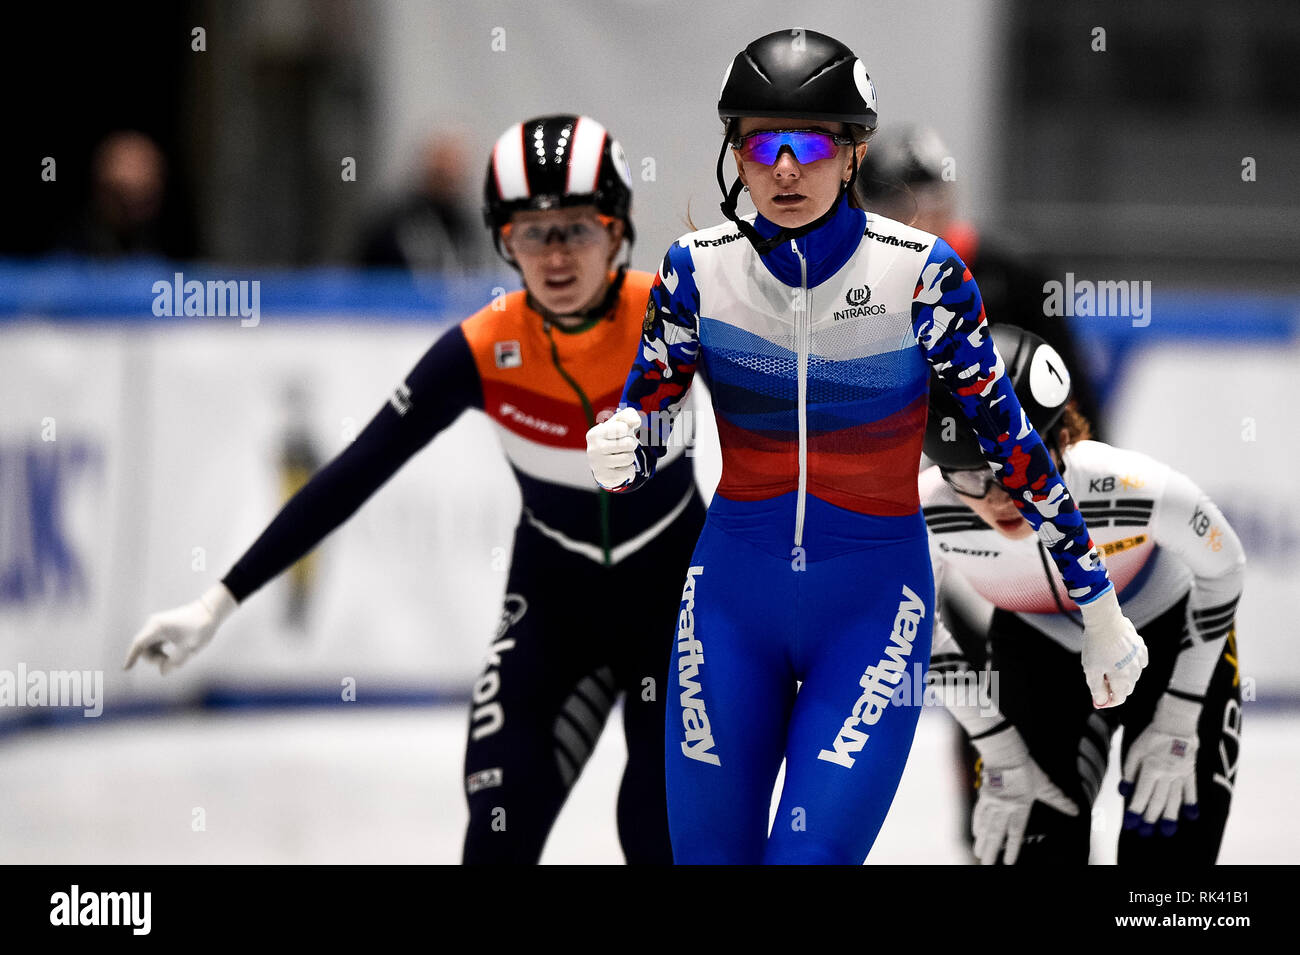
[484, 779]
[508, 354]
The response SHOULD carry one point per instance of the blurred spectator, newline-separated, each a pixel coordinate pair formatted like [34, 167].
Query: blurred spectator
[903, 179]
[435, 227]
[126, 213]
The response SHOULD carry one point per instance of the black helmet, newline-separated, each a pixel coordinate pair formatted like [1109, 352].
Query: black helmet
[901, 156]
[1041, 382]
[798, 73]
[554, 161]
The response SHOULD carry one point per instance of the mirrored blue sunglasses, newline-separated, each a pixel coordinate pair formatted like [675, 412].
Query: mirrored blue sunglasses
[808, 145]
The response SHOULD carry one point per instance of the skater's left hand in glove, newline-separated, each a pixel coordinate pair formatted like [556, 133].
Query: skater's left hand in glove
[1162, 761]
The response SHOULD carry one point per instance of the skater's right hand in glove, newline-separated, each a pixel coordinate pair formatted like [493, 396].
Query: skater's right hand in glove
[1010, 783]
[1114, 653]
[611, 449]
[173, 636]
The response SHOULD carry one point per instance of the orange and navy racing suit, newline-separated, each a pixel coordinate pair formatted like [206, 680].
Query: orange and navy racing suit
[581, 561]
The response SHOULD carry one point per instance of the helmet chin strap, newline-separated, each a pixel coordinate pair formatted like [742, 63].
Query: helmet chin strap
[761, 245]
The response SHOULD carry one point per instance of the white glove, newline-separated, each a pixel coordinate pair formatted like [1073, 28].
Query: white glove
[611, 449]
[1163, 761]
[1010, 783]
[173, 636]
[1114, 653]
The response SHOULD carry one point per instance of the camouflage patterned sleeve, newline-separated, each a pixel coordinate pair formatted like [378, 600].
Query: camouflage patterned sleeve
[949, 324]
[666, 358]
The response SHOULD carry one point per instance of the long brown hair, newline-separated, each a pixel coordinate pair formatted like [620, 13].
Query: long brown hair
[859, 134]
[1075, 425]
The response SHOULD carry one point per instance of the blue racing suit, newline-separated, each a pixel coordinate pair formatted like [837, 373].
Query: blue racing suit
[810, 594]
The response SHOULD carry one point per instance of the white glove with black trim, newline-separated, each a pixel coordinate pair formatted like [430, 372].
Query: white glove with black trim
[611, 449]
[1114, 653]
[173, 636]
[1162, 760]
[1010, 783]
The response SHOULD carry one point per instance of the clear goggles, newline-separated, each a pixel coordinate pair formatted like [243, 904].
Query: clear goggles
[531, 238]
[971, 482]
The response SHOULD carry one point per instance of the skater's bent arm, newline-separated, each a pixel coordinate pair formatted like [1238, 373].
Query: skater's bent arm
[1190, 526]
[667, 355]
[949, 324]
[442, 384]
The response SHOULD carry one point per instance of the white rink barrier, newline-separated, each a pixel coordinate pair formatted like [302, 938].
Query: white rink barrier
[138, 462]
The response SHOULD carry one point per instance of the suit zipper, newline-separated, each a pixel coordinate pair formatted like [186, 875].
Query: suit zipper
[802, 310]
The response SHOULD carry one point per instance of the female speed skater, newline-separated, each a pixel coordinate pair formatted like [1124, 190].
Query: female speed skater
[815, 326]
[1177, 566]
[542, 365]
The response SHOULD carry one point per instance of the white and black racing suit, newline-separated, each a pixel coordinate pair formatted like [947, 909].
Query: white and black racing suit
[1178, 567]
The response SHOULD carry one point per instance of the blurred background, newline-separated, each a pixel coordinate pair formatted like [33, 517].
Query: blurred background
[333, 152]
